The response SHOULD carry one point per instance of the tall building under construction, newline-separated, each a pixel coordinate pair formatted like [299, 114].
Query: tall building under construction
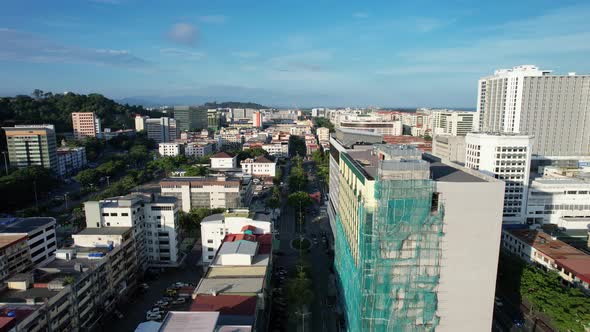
[416, 239]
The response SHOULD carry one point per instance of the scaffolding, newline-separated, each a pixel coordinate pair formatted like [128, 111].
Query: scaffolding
[392, 284]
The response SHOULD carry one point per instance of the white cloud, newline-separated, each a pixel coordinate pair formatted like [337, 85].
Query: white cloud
[184, 33]
[245, 54]
[23, 46]
[360, 15]
[213, 19]
[186, 55]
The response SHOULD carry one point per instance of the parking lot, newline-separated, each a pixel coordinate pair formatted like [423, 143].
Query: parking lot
[135, 311]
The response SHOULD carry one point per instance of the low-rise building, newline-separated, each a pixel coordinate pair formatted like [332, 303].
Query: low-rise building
[70, 160]
[449, 147]
[170, 149]
[15, 256]
[223, 160]
[208, 192]
[244, 262]
[535, 246]
[277, 149]
[323, 134]
[40, 233]
[259, 167]
[198, 149]
[214, 228]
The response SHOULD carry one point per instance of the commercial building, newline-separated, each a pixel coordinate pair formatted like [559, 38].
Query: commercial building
[40, 234]
[244, 262]
[208, 192]
[85, 124]
[215, 227]
[259, 167]
[70, 160]
[32, 146]
[535, 246]
[454, 123]
[162, 130]
[224, 160]
[170, 149]
[530, 101]
[371, 124]
[403, 220]
[323, 134]
[506, 157]
[152, 219]
[140, 122]
[213, 119]
[560, 200]
[15, 256]
[449, 147]
[190, 118]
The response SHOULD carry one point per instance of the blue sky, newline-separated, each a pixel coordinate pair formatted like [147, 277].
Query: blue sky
[289, 53]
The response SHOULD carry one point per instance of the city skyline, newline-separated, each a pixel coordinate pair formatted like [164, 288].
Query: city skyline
[396, 55]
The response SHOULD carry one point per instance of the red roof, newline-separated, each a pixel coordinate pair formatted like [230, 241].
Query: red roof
[238, 237]
[248, 228]
[579, 266]
[222, 155]
[236, 305]
[263, 159]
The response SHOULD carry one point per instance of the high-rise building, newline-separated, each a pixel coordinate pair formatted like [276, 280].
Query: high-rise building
[70, 160]
[529, 101]
[140, 122]
[454, 123]
[85, 124]
[190, 118]
[33, 145]
[403, 221]
[213, 119]
[506, 157]
[162, 130]
[257, 119]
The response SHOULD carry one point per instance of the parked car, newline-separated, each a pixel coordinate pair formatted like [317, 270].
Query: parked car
[153, 316]
[180, 300]
[161, 303]
[144, 286]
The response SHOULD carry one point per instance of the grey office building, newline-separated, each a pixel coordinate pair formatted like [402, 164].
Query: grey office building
[555, 109]
[190, 118]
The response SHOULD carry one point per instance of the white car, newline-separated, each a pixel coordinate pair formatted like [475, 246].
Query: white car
[179, 300]
[153, 316]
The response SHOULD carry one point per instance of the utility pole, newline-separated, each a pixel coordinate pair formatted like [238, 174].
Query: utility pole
[66, 199]
[35, 190]
[108, 181]
[5, 162]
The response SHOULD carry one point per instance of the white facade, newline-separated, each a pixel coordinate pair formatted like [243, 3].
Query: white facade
[453, 123]
[224, 160]
[154, 221]
[277, 149]
[69, 160]
[40, 232]
[561, 201]
[207, 192]
[214, 229]
[323, 134]
[507, 158]
[374, 124]
[195, 149]
[170, 149]
[530, 101]
[140, 122]
[259, 167]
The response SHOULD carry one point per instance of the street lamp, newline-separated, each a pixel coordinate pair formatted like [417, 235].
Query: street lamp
[5, 162]
[66, 199]
[108, 180]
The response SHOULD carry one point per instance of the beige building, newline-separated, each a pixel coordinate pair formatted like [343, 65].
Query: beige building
[449, 147]
[33, 145]
[85, 124]
[14, 255]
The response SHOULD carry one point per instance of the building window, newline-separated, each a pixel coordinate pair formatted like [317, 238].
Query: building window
[209, 241]
[210, 257]
[114, 214]
[124, 214]
[209, 249]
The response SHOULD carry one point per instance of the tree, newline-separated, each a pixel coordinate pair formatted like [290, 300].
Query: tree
[87, 177]
[299, 290]
[139, 153]
[197, 171]
[273, 203]
[297, 146]
[300, 198]
[323, 122]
